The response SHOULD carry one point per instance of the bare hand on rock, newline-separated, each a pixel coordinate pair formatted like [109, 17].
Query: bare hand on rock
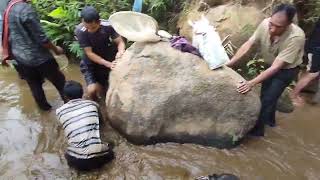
[119, 54]
[244, 87]
[114, 64]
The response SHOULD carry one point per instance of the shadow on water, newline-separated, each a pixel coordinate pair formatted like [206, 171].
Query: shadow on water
[32, 143]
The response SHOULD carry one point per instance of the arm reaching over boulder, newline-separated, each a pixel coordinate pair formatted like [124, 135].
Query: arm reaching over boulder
[282, 44]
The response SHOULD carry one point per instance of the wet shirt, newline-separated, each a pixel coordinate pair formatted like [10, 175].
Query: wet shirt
[80, 120]
[26, 36]
[100, 41]
[288, 48]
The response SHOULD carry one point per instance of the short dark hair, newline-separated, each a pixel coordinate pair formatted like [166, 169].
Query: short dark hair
[289, 9]
[89, 14]
[73, 90]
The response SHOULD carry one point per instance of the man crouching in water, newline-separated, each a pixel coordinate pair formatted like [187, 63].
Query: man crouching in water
[282, 48]
[80, 120]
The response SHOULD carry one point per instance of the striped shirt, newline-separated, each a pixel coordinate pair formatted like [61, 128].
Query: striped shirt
[80, 120]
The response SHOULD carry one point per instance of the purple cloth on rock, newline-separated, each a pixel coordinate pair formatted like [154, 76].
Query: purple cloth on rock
[182, 44]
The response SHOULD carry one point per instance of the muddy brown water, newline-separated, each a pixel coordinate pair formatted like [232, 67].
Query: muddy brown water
[32, 146]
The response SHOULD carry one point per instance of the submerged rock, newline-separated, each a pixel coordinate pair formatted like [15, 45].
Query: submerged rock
[159, 94]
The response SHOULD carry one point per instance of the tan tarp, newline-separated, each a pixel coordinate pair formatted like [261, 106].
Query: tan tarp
[135, 26]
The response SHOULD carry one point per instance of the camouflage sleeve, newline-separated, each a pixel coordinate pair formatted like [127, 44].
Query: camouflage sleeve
[32, 24]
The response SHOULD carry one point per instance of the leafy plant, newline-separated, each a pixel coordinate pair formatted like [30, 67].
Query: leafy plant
[255, 67]
[314, 11]
[165, 11]
[75, 49]
[59, 17]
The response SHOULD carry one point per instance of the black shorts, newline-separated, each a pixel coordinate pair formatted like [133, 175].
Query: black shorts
[89, 164]
[95, 73]
[314, 62]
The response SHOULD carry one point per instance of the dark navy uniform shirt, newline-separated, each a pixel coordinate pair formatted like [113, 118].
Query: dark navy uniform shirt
[100, 41]
[313, 44]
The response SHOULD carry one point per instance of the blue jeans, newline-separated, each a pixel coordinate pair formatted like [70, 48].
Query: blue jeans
[271, 90]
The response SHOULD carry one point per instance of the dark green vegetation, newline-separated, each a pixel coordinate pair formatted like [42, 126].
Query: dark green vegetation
[59, 17]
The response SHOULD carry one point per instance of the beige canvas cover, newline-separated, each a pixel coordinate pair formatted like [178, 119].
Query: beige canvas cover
[135, 26]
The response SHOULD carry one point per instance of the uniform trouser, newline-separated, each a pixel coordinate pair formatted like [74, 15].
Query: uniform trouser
[35, 77]
[271, 90]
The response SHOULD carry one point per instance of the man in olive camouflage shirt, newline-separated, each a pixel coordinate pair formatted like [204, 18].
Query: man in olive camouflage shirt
[282, 47]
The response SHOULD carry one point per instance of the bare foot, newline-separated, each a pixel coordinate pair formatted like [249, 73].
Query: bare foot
[297, 101]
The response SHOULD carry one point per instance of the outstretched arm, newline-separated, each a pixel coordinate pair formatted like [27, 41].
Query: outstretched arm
[278, 64]
[240, 53]
[247, 45]
[120, 45]
[285, 57]
[32, 24]
[96, 58]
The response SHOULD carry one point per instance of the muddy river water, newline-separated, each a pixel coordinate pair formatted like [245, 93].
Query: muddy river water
[32, 146]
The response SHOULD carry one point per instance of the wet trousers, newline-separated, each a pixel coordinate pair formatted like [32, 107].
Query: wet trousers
[271, 90]
[35, 77]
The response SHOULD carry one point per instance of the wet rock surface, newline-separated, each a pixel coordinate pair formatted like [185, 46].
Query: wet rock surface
[170, 96]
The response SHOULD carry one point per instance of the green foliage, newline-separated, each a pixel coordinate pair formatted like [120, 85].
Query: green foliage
[314, 11]
[255, 67]
[75, 49]
[252, 68]
[59, 17]
[164, 11]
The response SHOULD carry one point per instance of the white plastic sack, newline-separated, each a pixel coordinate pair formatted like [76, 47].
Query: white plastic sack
[209, 43]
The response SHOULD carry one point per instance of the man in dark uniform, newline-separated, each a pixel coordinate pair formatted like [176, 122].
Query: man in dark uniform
[102, 46]
[28, 45]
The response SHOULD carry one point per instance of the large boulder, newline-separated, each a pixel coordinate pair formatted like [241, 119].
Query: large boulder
[231, 19]
[159, 94]
[235, 19]
[285, 104]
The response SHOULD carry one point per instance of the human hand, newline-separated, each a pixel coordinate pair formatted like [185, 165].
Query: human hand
[229, 64]
[244, 87]
[113, 64]
[119, 54]
[107, 64]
